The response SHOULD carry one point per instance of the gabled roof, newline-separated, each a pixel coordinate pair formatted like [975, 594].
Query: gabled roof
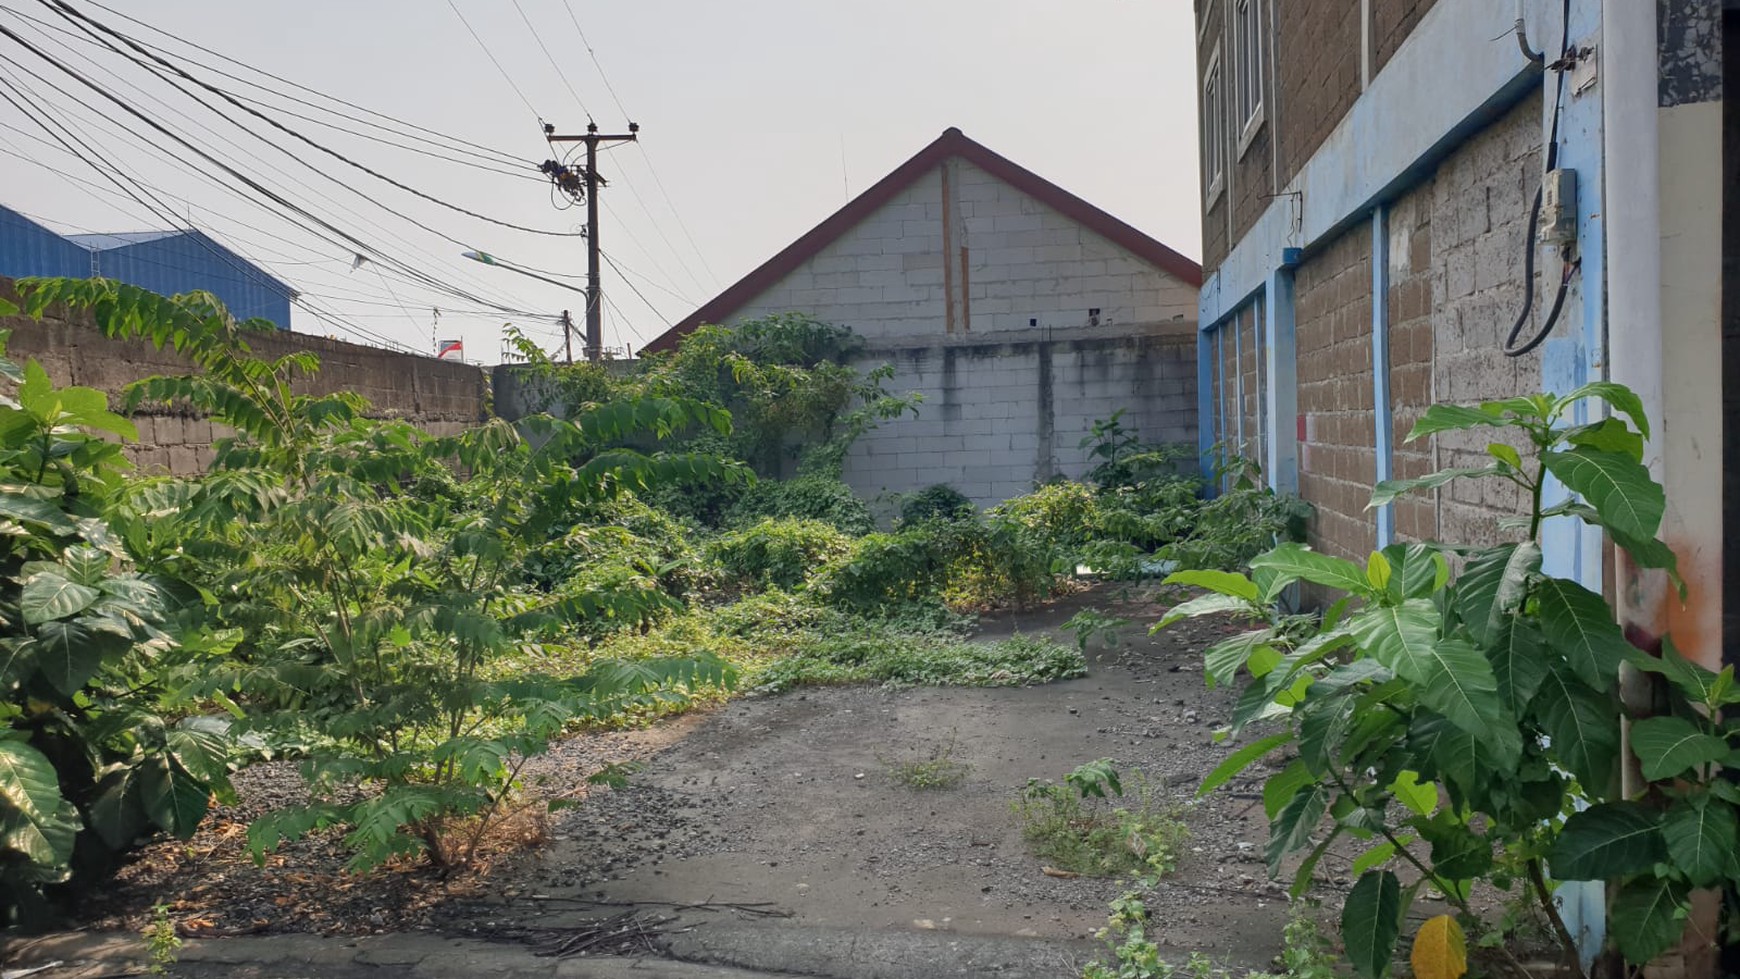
[952, 143]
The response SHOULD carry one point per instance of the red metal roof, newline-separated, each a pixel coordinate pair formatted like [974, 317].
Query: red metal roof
[951, 143]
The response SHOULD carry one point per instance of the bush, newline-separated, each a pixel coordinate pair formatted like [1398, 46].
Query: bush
[778, 552]
[885, 569]
[938, 502]
[1075, 826]
[823, 497]
[1065, 514]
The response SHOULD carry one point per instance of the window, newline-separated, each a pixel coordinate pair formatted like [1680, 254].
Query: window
[1247, 68]
[1213, 131]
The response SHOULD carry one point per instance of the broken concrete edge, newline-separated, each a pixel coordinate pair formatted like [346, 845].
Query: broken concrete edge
[418, 955]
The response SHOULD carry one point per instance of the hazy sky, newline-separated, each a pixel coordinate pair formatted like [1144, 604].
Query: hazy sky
[758, 116]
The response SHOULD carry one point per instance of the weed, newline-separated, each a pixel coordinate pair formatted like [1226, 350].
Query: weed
[868, 654]
[938, 770]
[1066, 827]
[162, 944]
[1305, 953]
[1091, 622]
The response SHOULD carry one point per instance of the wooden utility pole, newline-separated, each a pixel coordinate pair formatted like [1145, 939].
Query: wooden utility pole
[567, 338]
[594, 287]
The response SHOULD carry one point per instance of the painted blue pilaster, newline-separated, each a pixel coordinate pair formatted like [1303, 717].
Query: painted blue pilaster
[1380, 364]
[1238, 366]
[1282, 407]
[1206, 429]
[1575, 354]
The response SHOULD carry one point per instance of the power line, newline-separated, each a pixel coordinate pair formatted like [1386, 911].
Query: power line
[491, 56]
[294, 84]
[352, 242]
[551, 59]
[481, 161]
[627, 282]
[645, 154]
[65, 10]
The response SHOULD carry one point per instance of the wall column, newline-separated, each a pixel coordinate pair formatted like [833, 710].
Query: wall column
[1282, 368]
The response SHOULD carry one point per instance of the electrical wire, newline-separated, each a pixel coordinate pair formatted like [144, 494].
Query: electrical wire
[646, 156]
[628, 282]
[430, 150]
[66, 10]
[491, 56]
[508, 157]
[552, 60]
[357, 246]
[1510, 347]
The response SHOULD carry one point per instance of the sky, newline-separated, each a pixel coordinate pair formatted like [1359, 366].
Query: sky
[758, 118]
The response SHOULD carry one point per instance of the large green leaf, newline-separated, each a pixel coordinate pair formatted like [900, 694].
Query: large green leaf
[1283, 786]
[1452, 418]
[30, 510]
[1219, 582]
[1241, 759]
[1584, 726]
[1519, 664]
[1296, 562]
[1371, 921]
[1493, 583]
[1458, 853]
[1450, 676]
[1579, 626]
[1609, 435]
[30, 788]
[172, 796]
[1619, 397]
[1612, 839]
[1292, 827]
[69, 654]
[1648, 917]
[1387, 491]
[1703, 838]
[1668, 746]
[1617, 486]
[118, 813]
[1446, 751]
[1208, 605]
[1222, 661]
[49, 596]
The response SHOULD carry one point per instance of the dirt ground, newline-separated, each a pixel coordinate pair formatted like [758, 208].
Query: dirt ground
[774, 820]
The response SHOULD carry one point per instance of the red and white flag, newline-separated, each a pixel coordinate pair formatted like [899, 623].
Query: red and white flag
[454, 347]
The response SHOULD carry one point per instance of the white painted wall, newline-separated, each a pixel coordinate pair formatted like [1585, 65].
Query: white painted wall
[995, 420]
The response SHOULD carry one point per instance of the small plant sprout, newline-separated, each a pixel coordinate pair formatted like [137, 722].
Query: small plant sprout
[1090, 623]
[937, 769]
[162, 944]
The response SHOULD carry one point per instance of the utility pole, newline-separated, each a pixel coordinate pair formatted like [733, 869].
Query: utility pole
[594, 287]
[567, 338]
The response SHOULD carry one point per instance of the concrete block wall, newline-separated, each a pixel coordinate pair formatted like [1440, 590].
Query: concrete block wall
[1026, 267]
[999, 418]
[1338, 457]
[441, 397]
[1413, 386]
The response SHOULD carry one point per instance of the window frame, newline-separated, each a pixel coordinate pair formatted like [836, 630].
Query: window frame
[1247, 31]
[1214, 135]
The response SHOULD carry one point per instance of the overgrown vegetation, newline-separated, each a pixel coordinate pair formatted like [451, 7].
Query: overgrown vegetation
[1076, 828]
[1460, 709]
[411, 618]
[1305, 952]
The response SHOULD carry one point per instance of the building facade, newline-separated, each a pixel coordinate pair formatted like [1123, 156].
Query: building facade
[1019, 311]
[165, 262]
[1376, 239]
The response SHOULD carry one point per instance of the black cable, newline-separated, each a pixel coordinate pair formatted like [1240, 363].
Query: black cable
[1510, 347]
[552, 60]
[67, 11]
[509, 157]
[628, 282]
[479, 161]
[491, 56]
[350, 242]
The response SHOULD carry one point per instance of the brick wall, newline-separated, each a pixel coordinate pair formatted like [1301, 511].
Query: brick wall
[1480, 208]
[1211, 29]
[1411, 344]
[442, 397]
[1317, 61]
[1391, 23]
[1338, 457]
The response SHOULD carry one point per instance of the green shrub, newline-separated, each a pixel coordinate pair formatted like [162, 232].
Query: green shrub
[938, 502]
[778, 552]
[1077, 828]
[885, 569]
[817, 496]
[1063, 513]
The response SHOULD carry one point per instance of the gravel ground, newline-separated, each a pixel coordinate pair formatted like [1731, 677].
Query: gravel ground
[784, 803]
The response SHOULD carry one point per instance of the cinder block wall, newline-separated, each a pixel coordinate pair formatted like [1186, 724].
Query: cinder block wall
[441, 397]
[998, 418]
[980, 296]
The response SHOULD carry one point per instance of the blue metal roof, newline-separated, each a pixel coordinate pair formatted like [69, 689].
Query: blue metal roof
[167, 262]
